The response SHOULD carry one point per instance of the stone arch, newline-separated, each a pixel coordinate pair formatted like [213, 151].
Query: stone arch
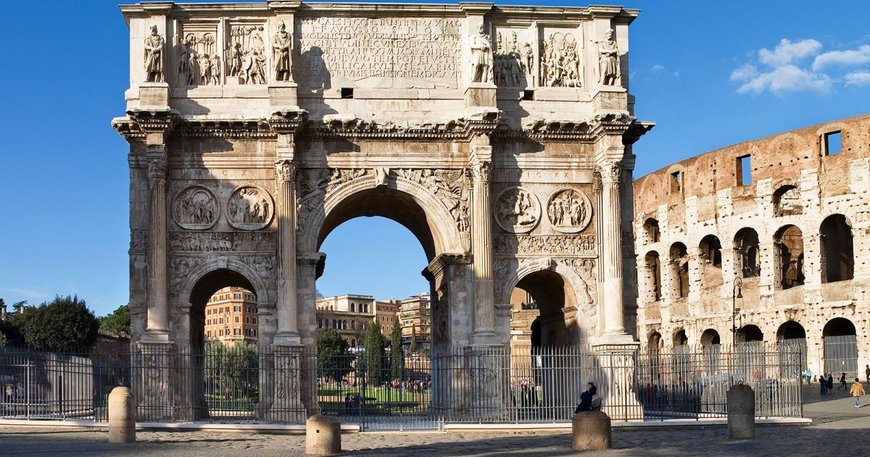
[653, 264]
[840, 347]
[403, 201]
[561, 298]
[838, 259]
[710, 256]
[651, 230]
[710, 337]
[749, 333]
[790, 330]
[679, 267]
[257, 284]
[680, 338]
[747, 251]
[789, 257]
[787, 201]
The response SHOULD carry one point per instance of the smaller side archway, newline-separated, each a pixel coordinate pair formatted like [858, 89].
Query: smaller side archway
[749, 334]
[840, 347]
[789, 243]
[651, 230]
[711, 261]
[679, 258]
[710, 337]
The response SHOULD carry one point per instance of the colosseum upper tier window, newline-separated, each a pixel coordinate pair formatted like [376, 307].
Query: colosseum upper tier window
[832, 143]
[789, 253]
[787, 201]
[651, 228]
[746, 247]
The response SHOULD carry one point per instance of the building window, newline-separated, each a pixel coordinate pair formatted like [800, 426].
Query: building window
[833, 143]
[237, 309]
[744, 170]
[677, 182]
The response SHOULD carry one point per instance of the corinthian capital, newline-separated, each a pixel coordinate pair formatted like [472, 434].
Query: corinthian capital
[285, 171]
[610, 172]
[156, 169]
[481, 171]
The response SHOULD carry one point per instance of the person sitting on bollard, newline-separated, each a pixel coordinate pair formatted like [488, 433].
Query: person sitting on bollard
[588, 400]
[857, 391]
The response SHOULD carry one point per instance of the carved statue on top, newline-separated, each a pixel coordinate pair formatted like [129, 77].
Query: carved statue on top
[154, 56]
[282, 45]
[608, 62]
[481, 56]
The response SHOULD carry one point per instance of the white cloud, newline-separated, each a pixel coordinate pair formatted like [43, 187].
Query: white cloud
[657, 67]
[744, 72]
[787, 52]
[848, 57]
[788, 78]
[858, 78]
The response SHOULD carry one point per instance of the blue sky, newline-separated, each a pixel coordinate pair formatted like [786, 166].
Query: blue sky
[710, 74]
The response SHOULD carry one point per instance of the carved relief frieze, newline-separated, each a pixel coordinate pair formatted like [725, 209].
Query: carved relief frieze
[560, 61]
[138, 240]
[451, 187]
[581, 245]
[264, 265]
[569, 210]
[180, 268]
[246, 54]
[513, 60]
[517, 210]
[195, 208]
[221, 241]
[585, 292]
[199, 61]
[402, 50]
[250, 208]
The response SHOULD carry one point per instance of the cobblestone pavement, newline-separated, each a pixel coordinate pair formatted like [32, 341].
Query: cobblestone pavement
[835, 428]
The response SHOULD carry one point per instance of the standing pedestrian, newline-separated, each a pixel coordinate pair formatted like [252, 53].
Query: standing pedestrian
[842, 382]
[829, 383]
[823, 382]
[857, 391]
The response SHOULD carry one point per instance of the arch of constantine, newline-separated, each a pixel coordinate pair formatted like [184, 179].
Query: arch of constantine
[500, 136]
[761, 242]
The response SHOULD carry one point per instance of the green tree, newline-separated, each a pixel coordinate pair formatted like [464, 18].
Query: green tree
[232, 370]
[117, 323]
[374, 355]
[413, 347]
[396, 350]
[333, 359]
[64, 324]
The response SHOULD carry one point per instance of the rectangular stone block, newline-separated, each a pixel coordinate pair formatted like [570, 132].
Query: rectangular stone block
[480, 95]
[283, 95]
[154, 95]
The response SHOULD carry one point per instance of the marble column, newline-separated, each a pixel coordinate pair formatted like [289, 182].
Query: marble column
[287, 308]
[157, 325]
[481, 243]
[611, 249]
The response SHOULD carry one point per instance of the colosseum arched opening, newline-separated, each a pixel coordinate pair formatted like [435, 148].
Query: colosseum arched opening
[840, 347]
[789, 261]
[838, 262]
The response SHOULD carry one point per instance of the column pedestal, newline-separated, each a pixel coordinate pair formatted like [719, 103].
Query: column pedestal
[615, 380]
[286, 398]
[152, 381]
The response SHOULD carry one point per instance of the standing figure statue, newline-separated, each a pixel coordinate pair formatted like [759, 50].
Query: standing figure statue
[481, 57]
[282, 44]
[154, 56]
[608, 60]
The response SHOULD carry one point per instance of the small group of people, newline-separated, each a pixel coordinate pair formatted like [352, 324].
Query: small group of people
[826, 383]
[589, 400]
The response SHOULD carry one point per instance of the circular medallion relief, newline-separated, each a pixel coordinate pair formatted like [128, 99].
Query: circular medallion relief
[569, 210]
[517, 210]
[195, 208]
[250, 208]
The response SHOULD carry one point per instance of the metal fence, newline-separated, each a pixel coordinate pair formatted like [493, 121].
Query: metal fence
[455, 385]
[841, 356]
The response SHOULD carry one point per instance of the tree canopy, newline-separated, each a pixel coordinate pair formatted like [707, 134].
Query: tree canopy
[117, 323]
[333, 359]
[64, 324]
[374, 355]
[396, 349]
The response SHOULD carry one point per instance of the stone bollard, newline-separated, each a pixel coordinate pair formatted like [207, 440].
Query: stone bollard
[741, 412]
[590, 431]
[122, 416]
[322, 435]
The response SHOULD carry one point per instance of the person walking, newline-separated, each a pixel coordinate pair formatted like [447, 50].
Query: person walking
[857, 391]
[842, 382]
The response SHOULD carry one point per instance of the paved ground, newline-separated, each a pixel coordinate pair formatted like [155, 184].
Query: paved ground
[838, 429]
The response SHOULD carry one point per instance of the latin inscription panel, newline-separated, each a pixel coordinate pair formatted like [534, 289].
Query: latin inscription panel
[380, 52]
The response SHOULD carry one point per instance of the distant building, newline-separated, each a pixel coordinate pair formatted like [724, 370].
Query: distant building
[415, 316]
[386, 312]
[231, 316]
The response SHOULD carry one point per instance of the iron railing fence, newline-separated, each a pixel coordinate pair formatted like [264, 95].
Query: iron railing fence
[841, 356]
[454, 385]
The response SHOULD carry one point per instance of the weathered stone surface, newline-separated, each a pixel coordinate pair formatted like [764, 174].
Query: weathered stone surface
[590, 431]
[741, 412]
[322, 435]
[256, 131]
[122, 416]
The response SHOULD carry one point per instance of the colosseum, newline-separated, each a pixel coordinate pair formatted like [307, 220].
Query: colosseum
[762, 243]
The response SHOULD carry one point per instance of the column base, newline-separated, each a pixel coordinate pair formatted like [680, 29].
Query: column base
[283, 94]
[286, 405]
[481, 95]
[287, 339]
[616, 363]
[488, 367]
[152, 379]
[155, 336]
[485, 338]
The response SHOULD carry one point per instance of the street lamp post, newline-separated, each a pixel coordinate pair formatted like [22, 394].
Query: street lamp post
[735, 294]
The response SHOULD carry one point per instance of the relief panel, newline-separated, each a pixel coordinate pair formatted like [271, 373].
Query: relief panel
[561, 58]
[514, 59]
[250, 208]
[198, 56]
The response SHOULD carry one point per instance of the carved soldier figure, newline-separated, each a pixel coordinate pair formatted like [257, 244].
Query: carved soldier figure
[215, 69]
[282, 44]
[481, 57]
[154, 56]
[608, 60]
